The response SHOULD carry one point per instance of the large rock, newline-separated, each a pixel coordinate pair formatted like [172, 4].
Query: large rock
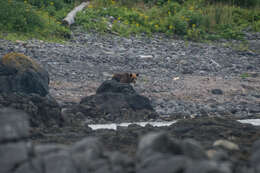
[13, 125]
[116, 102]
[255, 158]
[19, 73]
[12, 154]
[42, 111]
[158, 153]
[13, 129]
[154, 143]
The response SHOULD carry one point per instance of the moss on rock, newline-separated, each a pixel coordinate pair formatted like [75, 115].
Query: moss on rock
[19, 61]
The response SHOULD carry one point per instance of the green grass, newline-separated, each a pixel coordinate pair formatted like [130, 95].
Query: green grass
[197, 20]
[23, 20]
[193, 19]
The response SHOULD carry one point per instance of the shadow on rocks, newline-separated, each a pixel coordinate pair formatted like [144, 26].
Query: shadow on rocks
[158, 153]
[115, 102]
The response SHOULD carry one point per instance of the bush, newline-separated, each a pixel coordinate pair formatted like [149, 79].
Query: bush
[17, 16]
[179, 24]
[20, 19]
[57, 4]
[242, 3]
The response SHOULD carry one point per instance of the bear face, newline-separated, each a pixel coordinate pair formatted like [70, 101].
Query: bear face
[125, 77]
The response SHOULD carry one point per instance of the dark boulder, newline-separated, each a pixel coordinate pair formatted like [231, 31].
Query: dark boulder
[12, 154]
[217, 91]
[176, 164]
[42, 111]
[160, 142]
[255, 157]
[13, 129]
[116, 102]
[13, 124]
[115, 87]
[208, 166]
[19, 73]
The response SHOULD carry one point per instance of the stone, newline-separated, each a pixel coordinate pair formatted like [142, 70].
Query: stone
[59, 162]
[116, 102]
[12, 154]
[226, 144]
[34, 165]
[19, 73]
[91, 147]
[255, 160]
[172, 165]
[45, 149]
[13, 124]
[207, 167]
[121, 163]
[193, 149]
[157, 142]
[217, 91]
[115, 87]
[42, 111]
[256, 146]
[217, 155]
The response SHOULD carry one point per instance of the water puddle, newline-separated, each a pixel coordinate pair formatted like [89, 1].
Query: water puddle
[255, 122]
[113, 126]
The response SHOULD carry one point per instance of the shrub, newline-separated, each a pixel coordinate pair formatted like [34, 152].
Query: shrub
[192, 19]
[242, 3]
[17, 16]
[23, 20]
[179, 23]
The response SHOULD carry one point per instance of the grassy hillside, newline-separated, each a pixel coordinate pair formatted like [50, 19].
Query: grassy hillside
[191, 19]
[24, 19]
[188, 19]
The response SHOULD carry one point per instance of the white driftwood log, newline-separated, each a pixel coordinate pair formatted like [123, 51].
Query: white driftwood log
[69, 19]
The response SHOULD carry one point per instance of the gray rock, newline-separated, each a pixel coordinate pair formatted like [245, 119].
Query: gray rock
[113, 103]
[121, 163]
[207, 167]
[115, 87]
[45, 149]
[12, 154]
[226, 144]
[255, 161]
[256, 146]
[34, 165]
[91, 147]
[42, 111]
[19, 73]
[157, 143]
[13, 124]
[193, 149]
[59, 162]
[218, 155]
[217, 91]
[175, 164]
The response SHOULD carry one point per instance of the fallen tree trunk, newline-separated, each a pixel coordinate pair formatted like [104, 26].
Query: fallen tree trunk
[69, 19]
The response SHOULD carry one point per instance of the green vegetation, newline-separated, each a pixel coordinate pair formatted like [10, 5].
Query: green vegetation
[191, 19]
[245, 75]
[23, 19]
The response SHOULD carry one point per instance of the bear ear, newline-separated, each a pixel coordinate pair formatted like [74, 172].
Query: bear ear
[131, 75]
[137, 74]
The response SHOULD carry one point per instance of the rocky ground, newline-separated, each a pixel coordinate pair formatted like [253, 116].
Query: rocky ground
[181, 78]
[207, 85]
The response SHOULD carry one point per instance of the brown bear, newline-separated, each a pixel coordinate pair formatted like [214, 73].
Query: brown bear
[125, 77]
